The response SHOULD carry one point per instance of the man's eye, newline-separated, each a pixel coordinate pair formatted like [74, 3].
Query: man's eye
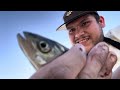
[71, 30]
[85, 23]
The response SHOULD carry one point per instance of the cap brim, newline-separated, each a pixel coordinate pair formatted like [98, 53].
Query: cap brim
[63, 26]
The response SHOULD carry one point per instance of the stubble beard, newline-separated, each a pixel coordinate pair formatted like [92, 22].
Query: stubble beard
[100, 39]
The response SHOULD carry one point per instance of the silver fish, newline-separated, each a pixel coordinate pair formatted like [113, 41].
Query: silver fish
[38, 49]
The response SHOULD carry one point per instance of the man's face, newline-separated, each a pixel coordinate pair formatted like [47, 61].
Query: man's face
[86, 31]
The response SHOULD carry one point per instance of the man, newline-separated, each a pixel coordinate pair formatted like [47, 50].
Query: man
[89, 58]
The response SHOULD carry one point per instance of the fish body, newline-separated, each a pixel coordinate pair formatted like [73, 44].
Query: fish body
[38, 49]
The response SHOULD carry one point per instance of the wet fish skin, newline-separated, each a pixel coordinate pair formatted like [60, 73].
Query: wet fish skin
[38, 49]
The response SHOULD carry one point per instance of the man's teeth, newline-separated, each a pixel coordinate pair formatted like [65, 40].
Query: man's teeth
[77, 41]
[83, 40]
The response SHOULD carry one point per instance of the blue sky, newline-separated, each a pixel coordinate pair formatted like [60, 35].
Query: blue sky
[13, 63]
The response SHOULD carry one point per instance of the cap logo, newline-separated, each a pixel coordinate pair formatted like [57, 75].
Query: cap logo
[69, 13]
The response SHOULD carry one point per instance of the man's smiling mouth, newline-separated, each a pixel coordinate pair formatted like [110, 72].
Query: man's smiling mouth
[82, 40]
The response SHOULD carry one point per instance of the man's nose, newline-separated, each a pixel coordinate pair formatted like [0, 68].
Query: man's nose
[79, 33]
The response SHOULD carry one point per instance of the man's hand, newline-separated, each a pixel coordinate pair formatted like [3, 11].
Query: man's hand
[76, 64]
[100, 62]
[67, 66]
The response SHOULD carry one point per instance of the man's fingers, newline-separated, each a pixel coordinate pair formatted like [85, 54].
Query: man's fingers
[96, 59]
[68, 65]
[107, 68]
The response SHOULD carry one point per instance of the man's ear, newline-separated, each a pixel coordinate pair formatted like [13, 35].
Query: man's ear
[102, 21]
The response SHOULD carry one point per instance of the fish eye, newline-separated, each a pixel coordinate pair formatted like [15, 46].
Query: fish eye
[44, 46]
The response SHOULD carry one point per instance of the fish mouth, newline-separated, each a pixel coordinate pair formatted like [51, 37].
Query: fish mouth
[27, 47]
[23, 38]
[24, 42]
[20, 38]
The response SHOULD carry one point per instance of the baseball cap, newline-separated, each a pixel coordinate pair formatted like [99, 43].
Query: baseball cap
[70, 16]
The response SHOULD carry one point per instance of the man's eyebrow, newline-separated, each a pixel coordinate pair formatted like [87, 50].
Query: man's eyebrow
[81, 21]
[84, 19]
[69, 27]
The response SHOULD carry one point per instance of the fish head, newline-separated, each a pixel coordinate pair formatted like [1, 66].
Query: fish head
[39, 49]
